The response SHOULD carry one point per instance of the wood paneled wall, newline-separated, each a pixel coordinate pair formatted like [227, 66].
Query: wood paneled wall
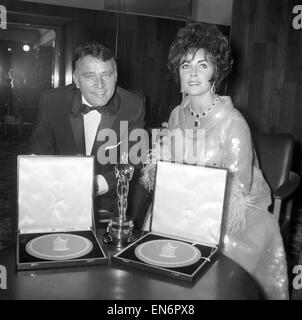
[143, 45]
[142, 59]
[266, 82]
[142, 52]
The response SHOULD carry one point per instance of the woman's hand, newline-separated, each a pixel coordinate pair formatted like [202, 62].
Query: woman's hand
[152, 173]
[148, 177]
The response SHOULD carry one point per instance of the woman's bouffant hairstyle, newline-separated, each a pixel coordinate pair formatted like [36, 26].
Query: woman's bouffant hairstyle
[195, 36]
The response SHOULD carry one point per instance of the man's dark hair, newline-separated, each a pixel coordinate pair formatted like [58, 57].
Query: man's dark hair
[94, 49]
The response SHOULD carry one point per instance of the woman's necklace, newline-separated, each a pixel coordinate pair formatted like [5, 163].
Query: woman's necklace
[199, 115]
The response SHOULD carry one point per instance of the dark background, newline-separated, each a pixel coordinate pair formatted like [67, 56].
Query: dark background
[266, 82]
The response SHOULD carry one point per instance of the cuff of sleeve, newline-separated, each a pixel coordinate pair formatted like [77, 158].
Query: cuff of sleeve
[101, 185]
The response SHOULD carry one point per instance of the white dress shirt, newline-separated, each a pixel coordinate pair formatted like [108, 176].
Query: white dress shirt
[92, 121]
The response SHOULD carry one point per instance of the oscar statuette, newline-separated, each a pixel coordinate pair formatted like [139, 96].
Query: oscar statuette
[119, 230]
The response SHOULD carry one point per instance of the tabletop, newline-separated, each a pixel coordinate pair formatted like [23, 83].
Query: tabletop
[225, 279]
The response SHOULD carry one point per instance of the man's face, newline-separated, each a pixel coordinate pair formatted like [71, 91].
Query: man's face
[96, 79]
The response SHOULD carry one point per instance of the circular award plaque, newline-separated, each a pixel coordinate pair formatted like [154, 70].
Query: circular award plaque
[59, 246]
[167, 253]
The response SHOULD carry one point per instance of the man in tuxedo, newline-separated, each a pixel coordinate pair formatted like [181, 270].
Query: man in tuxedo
[74, 119]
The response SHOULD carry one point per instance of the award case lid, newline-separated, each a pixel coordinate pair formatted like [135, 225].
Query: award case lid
[189, 202]
[55, 212]
[55, 193]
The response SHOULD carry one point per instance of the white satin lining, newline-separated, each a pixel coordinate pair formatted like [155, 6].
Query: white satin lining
[188, 202]
[54, 193]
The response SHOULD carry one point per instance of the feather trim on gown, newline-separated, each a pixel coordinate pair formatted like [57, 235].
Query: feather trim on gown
[251, 234]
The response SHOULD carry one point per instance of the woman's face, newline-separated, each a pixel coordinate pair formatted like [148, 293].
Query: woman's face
[195, 73]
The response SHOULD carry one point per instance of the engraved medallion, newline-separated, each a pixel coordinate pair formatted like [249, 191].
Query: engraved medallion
[167, 253]
[59, 246]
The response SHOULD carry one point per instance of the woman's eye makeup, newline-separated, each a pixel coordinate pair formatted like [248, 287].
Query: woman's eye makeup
[185, 66]
[200, 65]
[203, 65]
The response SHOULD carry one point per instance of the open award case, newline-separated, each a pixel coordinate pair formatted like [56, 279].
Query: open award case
[185, 224]
[55, 213]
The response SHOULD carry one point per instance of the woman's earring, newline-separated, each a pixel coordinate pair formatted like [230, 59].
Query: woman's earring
[182, 91]
[213, 89]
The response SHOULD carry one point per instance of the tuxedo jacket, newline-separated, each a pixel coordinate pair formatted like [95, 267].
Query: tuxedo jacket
[59, 129]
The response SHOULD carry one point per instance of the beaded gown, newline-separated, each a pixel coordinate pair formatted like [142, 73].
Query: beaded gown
[251, 235]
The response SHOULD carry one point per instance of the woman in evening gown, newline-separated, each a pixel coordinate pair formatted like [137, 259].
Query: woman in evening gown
[200, 59]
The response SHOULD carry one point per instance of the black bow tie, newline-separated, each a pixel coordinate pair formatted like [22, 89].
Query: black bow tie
[85, 109]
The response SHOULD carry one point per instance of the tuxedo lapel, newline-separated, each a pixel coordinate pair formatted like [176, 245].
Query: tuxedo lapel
[77, 123]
